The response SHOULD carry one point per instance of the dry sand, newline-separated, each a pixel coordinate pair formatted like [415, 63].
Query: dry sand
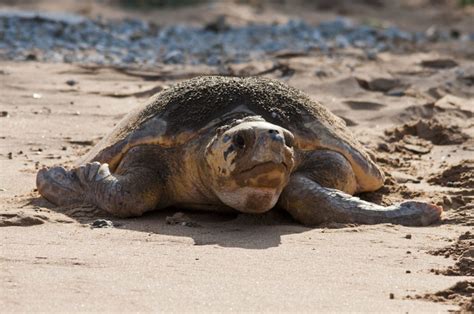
[53, 260]
[416, 118]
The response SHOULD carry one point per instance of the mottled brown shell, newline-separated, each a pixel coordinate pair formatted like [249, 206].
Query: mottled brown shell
[184, 111]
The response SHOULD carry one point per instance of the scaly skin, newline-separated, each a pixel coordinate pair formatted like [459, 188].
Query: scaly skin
[130, 191]
[93, 183]
[311, 204]
[321, 191]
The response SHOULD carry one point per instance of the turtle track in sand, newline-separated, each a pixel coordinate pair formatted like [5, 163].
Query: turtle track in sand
[463, 252]
[460, 294]
[460, 175]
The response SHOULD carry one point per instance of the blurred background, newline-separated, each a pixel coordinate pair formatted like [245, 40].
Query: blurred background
[149, 32]
[413, 14]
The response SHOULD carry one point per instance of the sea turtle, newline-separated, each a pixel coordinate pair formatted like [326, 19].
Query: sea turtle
[231, 144]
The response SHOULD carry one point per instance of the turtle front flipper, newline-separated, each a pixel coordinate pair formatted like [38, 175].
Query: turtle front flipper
[60, 186]
[129, 192]
[311, 204]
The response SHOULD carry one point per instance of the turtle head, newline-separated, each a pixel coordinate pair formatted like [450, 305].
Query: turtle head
[250, 162]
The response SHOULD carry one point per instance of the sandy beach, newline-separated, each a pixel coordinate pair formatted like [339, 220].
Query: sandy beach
[412, 110]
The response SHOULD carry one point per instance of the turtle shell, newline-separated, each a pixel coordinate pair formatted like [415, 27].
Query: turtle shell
[188, 109]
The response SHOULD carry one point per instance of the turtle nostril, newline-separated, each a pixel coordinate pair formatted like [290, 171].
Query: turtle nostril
[239, 141]
[273, 131]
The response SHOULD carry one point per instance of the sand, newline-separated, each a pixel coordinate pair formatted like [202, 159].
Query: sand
[415, 118]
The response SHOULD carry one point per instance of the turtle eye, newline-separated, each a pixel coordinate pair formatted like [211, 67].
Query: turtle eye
[239, 141]
[289, 140]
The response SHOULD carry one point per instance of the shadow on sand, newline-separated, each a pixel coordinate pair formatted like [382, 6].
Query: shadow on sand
[205, 228]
